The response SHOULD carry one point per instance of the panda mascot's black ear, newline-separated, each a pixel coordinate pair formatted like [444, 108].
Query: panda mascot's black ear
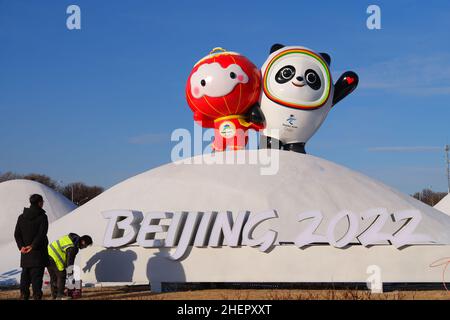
[326, 57]
[276, 47]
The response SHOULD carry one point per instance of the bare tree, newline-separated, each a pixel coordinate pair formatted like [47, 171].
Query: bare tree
[44, 179]
[6, 176]
[80, 192]
[41, 178]
[429, 197]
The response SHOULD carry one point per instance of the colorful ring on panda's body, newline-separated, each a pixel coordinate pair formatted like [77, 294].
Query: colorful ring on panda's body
[294, 105]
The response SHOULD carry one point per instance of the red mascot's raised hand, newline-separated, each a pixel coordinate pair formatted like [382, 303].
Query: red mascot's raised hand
[221, 90]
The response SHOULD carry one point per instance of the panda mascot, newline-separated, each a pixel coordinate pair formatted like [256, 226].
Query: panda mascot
[297, 95]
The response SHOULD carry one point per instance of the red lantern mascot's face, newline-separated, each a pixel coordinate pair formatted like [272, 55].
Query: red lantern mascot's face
[220, 90]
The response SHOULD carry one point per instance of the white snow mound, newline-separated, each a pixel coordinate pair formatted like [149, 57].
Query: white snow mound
[14, 196]
[302, 183]
[444, 205]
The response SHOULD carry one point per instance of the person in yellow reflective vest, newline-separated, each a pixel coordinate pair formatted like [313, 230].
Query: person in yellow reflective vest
[62, 253]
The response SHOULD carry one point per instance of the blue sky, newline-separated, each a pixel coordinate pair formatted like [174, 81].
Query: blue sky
[98, 104]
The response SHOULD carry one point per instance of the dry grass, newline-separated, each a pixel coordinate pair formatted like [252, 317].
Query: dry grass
[142, 293]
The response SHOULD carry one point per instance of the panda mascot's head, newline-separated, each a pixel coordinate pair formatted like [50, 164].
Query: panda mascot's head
[298, 78]
[298, 92]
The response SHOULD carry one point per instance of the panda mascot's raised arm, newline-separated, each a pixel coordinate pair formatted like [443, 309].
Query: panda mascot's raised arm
[298, 92]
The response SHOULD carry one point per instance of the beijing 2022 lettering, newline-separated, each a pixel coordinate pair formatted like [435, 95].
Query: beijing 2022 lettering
[215, 229]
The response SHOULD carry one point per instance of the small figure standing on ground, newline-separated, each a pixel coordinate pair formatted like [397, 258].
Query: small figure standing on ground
[62, 253]
[31, 238]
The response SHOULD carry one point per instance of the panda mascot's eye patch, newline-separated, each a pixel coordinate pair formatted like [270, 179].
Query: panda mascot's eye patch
[313, 79]
[285, 74]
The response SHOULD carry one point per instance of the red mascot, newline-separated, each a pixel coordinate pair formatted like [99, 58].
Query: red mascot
[221, 90]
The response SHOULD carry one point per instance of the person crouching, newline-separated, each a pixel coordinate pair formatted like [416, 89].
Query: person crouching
[62, 253]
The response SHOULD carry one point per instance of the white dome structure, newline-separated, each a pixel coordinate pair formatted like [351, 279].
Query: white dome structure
[303, 183]
[14, 196]
[328, 224]
[444, 205]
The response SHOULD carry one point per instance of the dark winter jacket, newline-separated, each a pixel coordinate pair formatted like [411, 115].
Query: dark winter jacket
[31, 229]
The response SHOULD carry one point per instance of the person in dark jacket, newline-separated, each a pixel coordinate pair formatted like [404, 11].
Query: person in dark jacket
[62, 253]
[31, 238]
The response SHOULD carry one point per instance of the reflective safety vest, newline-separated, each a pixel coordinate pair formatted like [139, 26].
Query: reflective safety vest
[57, 250]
